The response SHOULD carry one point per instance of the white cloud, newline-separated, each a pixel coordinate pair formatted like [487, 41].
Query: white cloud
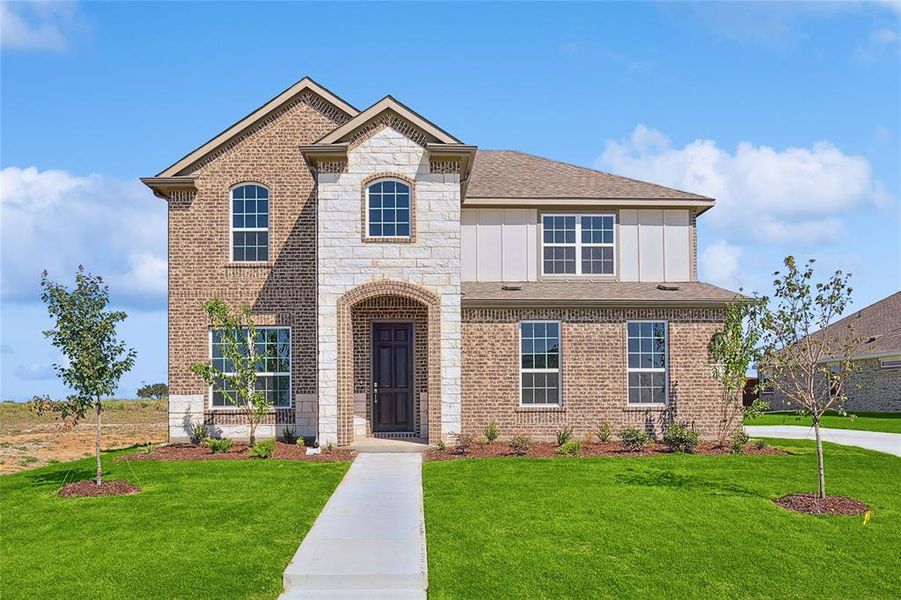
[881, 42]
[777, 195]
[719, 264]
[38, 26]
[34, 371]
[55, 220]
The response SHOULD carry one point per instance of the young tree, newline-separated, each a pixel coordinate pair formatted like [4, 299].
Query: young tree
[733, 350]
[85, 333]
[235, 374]
[804, 356]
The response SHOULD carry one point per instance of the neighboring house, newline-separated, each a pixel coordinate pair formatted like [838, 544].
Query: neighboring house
[876, 383]
[410, 285]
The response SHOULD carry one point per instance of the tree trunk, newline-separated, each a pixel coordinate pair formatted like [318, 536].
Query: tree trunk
[821, 473]
[97, 446]
[253, 429]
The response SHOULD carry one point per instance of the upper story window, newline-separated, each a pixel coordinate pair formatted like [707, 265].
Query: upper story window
[647, 362]
[578, 244]
[249, 223]
[539, 362]
[388, 209]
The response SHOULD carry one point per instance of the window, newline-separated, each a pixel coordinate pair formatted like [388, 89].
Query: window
[388, 209]
[273, 347]
[250, 223]
[578, 244]
[890, 363]
[647, 362]
[540, 362]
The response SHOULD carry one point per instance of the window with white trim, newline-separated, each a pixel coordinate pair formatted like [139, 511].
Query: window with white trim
[273, 369]
[388, 209]
[539, 362]
[576, 244]
[890, 363]
[647, 348]
[249, 223]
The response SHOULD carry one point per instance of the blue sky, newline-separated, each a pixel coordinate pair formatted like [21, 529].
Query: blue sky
[789, 114]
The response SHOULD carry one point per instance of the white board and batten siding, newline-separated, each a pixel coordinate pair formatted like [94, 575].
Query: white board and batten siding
[502, 244]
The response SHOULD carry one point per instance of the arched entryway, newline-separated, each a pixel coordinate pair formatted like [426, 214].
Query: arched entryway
[388, 336]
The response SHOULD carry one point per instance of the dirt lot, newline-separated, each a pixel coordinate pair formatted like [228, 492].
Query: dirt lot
[28, 440]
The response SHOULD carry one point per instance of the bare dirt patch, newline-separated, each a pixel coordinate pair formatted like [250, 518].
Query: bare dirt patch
[90, 488]
[830, 505]
[548, 450]
[28, 440]
[283, 451]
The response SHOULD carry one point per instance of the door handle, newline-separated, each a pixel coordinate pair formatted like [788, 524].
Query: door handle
[375, 391]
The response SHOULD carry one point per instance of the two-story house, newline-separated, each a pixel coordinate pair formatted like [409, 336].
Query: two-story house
[406, 284]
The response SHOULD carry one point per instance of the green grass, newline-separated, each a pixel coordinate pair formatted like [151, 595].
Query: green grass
[213, 529]
[665, 526]
[867, 421]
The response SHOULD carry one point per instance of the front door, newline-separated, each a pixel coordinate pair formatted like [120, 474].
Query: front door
[392, 377]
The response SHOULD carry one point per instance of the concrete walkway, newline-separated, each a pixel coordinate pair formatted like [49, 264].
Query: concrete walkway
[890, 443]
[369, 540]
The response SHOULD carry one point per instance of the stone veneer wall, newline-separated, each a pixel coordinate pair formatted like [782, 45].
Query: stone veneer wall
[389, 308]
[431, 262]
[280, 292]
[594, 378]
[873, 389]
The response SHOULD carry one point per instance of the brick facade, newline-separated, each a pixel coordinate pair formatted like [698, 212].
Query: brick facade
[593, 371]
[280, 292]
[872, 389]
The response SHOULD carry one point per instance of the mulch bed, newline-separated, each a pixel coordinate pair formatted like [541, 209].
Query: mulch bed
[830, 505]
[90, 488]
[548, 449]
[283, 451]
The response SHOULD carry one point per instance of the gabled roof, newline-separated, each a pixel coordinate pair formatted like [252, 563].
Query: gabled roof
[507, 174]
[878, 326]
[388, 103]
[305, 84]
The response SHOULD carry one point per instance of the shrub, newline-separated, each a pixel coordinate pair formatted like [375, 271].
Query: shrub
[329, 447]
[760, 444]
[602, 432]
[564, 435]
[309, 441]
[463, 442]
[219, 445]
[634, 439]
[440, 445]
[738, 441]
[263, 449]
[289, 435]
[519, 444]
[491, 431]
[570, 448]
[199, 434]
[680, 438]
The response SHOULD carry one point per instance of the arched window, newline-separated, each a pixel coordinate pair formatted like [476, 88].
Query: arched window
[388, 209]
[249, 223]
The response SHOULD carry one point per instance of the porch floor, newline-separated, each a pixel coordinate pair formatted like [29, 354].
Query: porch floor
[378, 445]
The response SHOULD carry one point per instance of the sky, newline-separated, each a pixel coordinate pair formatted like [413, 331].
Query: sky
[788, 114]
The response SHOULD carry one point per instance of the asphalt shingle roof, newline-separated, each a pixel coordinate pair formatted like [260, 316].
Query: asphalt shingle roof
[510, 174]
[596, 293]
[878, 326]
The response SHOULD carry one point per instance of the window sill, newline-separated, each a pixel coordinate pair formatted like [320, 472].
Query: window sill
[541, 409]
[644, 407]
[238, 409]
[389, 240]
[249, 265]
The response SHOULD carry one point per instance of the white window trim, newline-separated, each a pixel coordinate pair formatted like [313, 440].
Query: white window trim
[665, 369]
[890, 362]
[232, 229]
[259, 374]
[558, 370]
[578, 245]
[366, 211]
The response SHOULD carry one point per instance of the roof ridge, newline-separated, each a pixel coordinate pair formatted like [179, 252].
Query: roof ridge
[598, 171]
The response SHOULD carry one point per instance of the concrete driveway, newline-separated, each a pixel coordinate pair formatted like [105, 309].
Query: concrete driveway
[890, 443]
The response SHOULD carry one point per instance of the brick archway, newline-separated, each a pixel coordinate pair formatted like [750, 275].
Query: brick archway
[345, 362]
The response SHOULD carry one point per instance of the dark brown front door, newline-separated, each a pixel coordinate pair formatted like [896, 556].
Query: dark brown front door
[392, 377]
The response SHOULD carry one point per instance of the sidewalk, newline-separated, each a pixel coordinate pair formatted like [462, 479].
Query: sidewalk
[890, 443]
[369, 540]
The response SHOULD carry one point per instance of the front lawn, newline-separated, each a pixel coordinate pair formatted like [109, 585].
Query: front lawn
[663, 526]
[213, 529]
[867, 421]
